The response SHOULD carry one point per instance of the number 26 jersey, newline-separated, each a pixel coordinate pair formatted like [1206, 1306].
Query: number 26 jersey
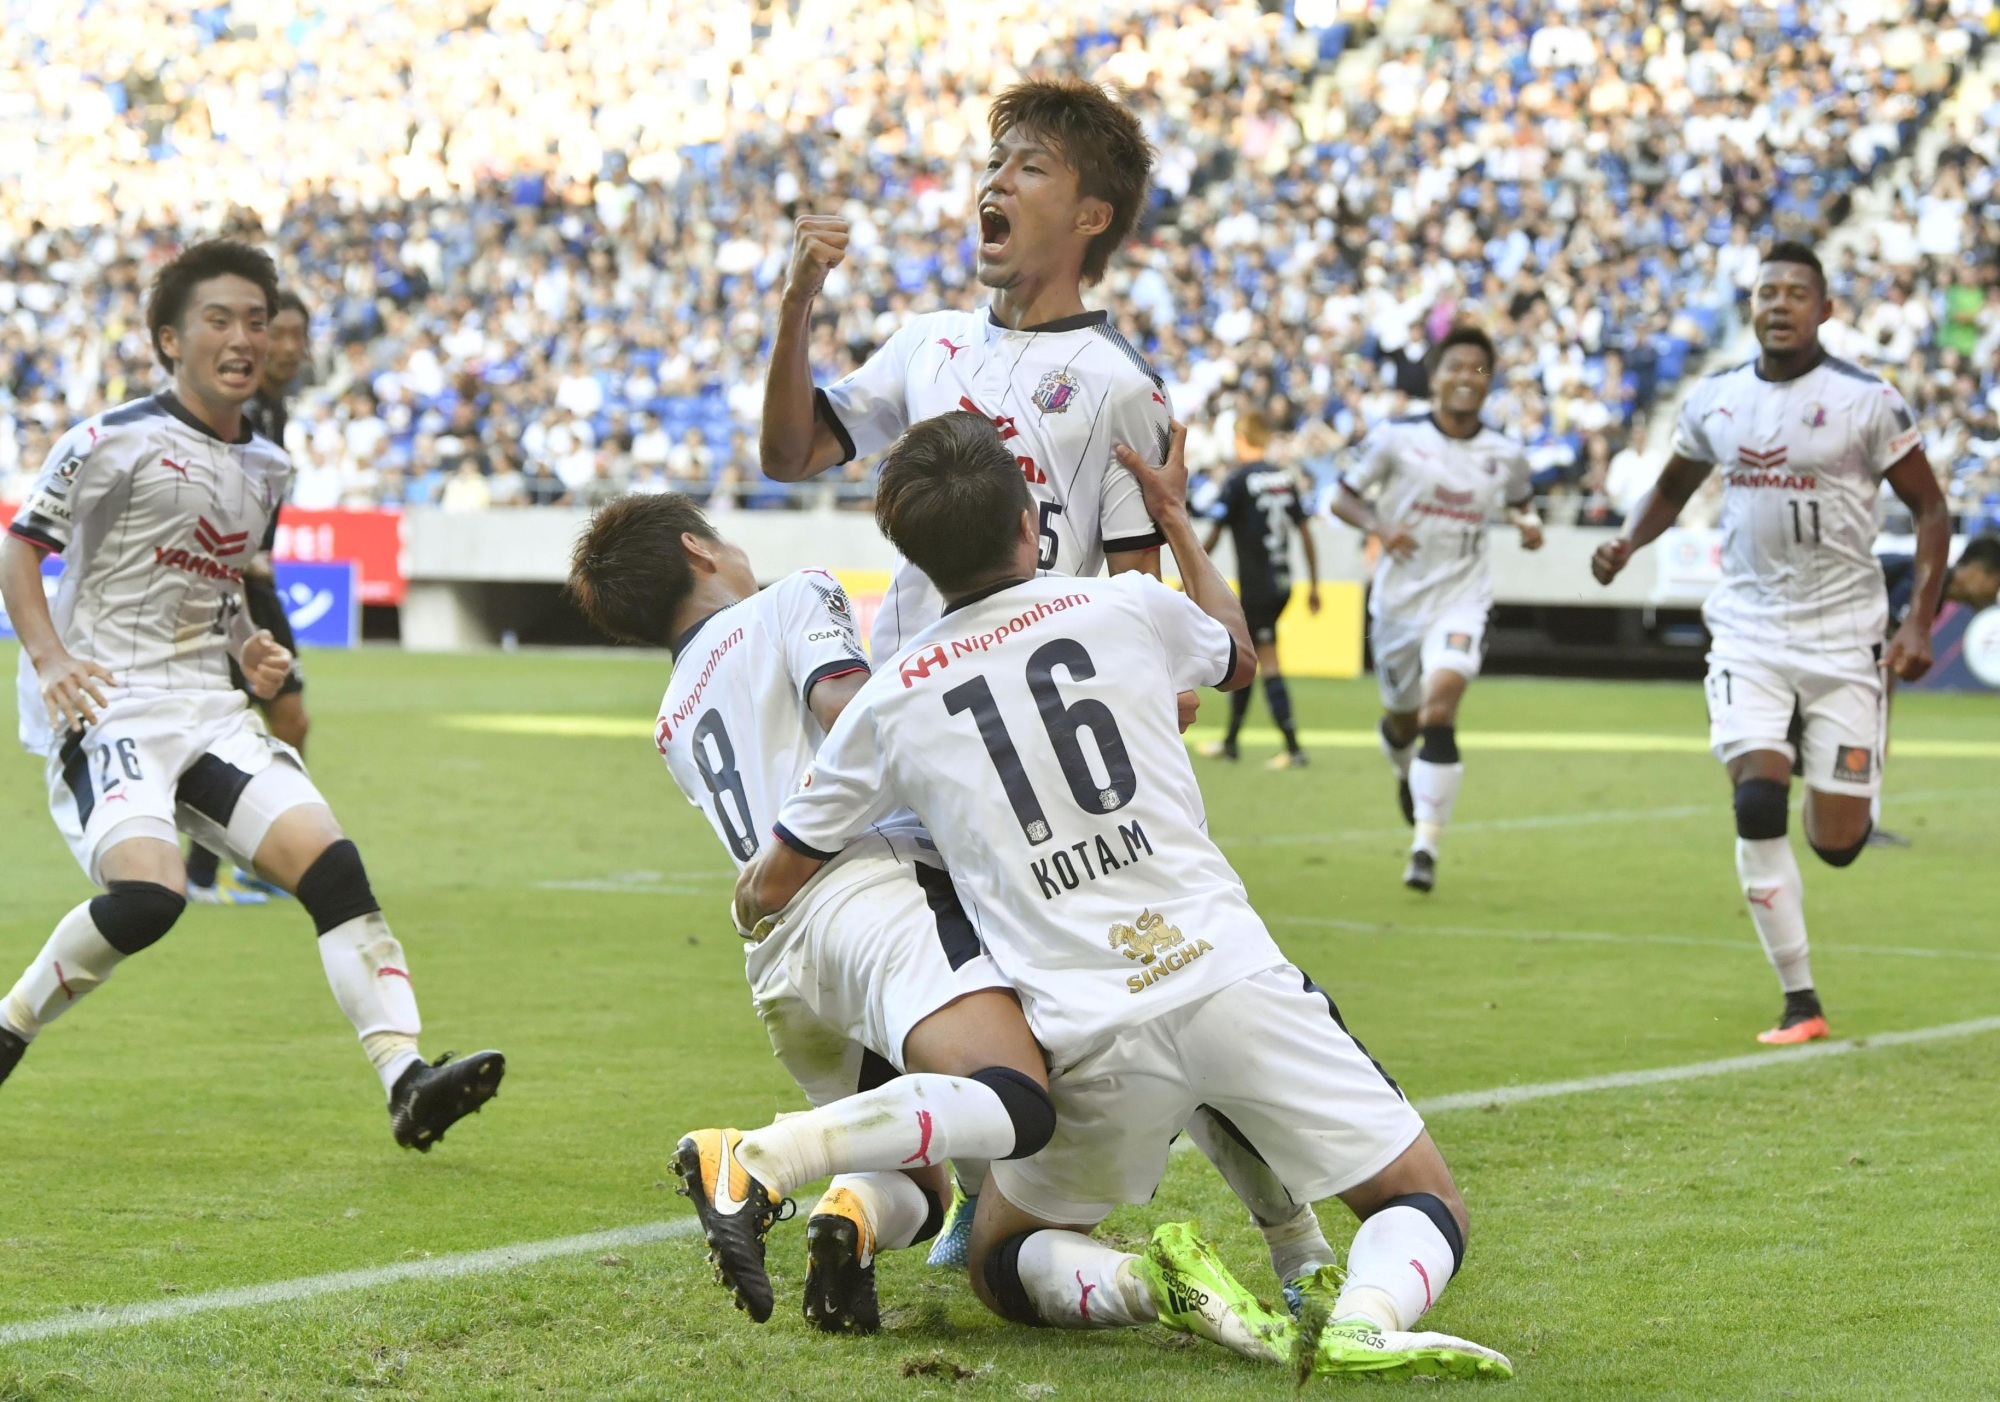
[735, 728]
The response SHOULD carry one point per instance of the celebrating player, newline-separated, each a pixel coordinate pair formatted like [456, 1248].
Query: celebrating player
[1259, 506]
[125, 689]
[1031, 728]
[874, 971]
[285, 713]
[1804, 442]
[1440, 478]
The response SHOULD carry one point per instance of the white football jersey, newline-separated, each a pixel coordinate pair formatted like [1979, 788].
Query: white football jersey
[1063, 395]
[1034, 730]
[735, 728]
[1802, 463]
[155, 517]
[1444, 491]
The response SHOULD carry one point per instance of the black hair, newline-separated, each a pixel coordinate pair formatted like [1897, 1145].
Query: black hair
[196, 264]
[290, 301]
[1099, 137]
[950, 498]
[1982, 550]
[1466, 334]
[629, 573]
[1793, 251]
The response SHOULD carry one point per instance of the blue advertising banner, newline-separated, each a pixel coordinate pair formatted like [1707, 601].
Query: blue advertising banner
[323, 602]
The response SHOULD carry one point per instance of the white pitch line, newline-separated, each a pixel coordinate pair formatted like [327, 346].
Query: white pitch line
[501, 1258]
[1694, 1071]
[498, 1258]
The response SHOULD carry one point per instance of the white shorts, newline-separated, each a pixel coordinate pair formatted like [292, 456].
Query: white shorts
[154, 764]
[1836, 699]
[1268, 1053]
[875, 946]
[1407, 653]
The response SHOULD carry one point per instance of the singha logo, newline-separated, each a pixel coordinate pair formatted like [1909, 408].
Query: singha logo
[1147, 938]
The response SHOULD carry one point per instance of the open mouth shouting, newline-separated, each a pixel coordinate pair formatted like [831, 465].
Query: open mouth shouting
[994, 231]
[237, 372]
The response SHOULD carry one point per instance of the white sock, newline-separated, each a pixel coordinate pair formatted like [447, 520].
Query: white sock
[1777, 899]
[970, 1174]
[892, 1209]
[1077, 1283]
[1434, 787]
[1396, 1269]
[1399, 756]
[1298, 1246]
[911, 1122]
[370, 979]
[75, 960]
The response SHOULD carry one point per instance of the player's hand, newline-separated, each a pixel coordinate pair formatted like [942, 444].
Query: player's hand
[1312, 599]
[1189, 703]
[1610, 558]
[819, 245]
[1909, 654]
[1163, 488]
[1531, 534]
[1398, 541]
[265, 662]
[72, 692]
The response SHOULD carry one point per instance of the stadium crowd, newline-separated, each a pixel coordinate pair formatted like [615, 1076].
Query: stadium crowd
[543, 241]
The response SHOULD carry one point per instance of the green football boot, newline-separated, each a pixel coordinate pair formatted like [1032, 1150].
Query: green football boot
[1196, 1294]
[1358, 1346]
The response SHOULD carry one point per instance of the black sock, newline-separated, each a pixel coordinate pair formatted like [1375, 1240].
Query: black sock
[201, 865]
[1239, 707]
[1801, 1005]
[1280, 702]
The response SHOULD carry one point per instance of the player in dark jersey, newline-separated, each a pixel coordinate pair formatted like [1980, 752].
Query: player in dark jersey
[285, 713]
[1259, 505]
[1973, 581]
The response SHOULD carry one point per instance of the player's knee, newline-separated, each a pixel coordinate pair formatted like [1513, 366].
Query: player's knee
[1027, 1105]
[1763, 809]
[133, 915]
[334, 889]
[1440, 744]
[1841, 856]
[1005, 1293]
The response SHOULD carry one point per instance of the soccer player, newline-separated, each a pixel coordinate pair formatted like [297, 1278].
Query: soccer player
[1804, 442]
[285, 713]
[125, 689]
[872, 981]
[1259, 506]
[1438, 478]
[1032, 729]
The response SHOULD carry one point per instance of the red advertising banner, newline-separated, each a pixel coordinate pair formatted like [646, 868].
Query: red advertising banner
[373, 540]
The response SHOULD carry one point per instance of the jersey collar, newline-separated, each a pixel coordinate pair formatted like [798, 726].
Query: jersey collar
[1757, 369]
[988, 592]
[1442, 433]
[171, 403]
[1082, 321]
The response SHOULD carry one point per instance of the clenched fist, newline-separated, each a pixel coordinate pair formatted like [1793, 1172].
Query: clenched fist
[819, 243]
[1610, 558]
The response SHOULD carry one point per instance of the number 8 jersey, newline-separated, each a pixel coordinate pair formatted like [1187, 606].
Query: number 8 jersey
[735, 729]
[1802, 461]
[1035, 733]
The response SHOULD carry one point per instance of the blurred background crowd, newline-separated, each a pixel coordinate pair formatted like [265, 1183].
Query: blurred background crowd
[543, 240]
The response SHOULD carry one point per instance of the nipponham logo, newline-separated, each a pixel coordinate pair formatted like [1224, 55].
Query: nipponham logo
[917, 667]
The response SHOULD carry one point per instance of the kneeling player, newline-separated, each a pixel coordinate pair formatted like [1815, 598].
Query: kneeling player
[1805, 442]
[125, 689]
[1033, 729]
[872, 971]
[1441, 477]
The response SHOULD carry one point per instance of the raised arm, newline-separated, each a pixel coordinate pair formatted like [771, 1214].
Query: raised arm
[1658, 509]
[1915, 484]
[796, 440]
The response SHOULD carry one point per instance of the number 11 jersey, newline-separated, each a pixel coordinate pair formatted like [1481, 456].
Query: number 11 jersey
[735, 728]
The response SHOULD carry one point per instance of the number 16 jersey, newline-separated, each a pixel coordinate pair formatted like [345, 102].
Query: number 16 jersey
[735, 728]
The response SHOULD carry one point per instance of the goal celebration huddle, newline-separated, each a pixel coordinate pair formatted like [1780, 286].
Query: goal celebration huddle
[984, 922]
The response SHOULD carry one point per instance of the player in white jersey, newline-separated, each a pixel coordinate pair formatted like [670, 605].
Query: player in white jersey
[1065, 181]
[125, 689]
[1804, 442]
[872, 972]
[1438, 479]
[1032, 731]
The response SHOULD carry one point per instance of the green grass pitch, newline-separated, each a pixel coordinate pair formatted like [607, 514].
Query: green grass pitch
[1816, 1230]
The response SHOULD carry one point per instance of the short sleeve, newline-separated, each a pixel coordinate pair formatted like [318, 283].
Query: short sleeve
[76, 475]
[819, 636]
[1135, 415]
[1690, 441]
[1891, 430]
[869, 409]
[846, 790]
[1200, 651]
[1377, 459]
